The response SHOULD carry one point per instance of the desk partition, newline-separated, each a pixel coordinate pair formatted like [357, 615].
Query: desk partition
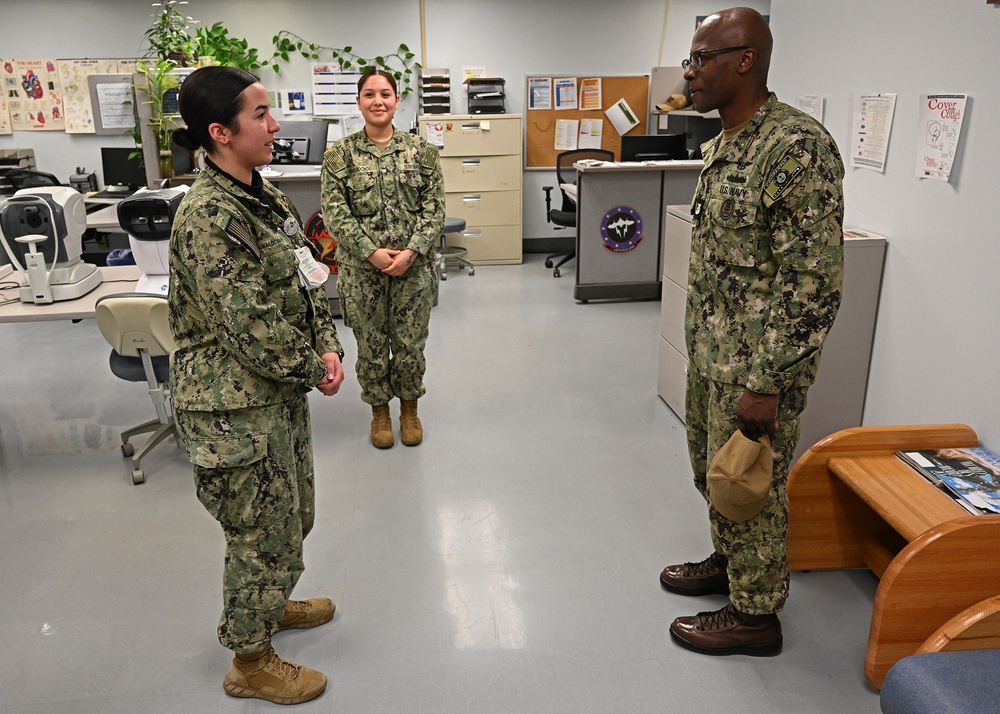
[619, 220]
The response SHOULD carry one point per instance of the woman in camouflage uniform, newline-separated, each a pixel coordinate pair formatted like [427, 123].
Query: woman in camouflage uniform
[252, 341]
[383, 201]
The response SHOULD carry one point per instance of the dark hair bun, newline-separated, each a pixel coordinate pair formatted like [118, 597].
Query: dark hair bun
[186, 139]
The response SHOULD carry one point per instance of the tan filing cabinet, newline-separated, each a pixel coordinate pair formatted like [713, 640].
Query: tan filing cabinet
[481, 162]
[837, 398]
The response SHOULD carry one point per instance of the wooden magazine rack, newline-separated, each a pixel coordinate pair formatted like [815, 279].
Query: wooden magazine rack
[853, 503]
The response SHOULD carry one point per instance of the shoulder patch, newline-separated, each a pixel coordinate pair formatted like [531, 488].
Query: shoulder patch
[428, 157]
[335, 163]
[783, 177]
[238, 232]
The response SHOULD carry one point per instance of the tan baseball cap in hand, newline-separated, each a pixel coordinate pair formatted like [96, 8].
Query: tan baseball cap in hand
[739, 479]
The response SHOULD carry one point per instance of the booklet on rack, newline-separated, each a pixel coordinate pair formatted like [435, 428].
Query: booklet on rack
[972, 475]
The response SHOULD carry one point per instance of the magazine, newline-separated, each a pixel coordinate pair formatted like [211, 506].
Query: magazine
[971, 474]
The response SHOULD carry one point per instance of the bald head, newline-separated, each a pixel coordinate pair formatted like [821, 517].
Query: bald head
[741, 26]
[731, 54]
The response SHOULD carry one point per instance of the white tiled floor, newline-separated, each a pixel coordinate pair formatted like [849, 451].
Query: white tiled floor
[508, 564]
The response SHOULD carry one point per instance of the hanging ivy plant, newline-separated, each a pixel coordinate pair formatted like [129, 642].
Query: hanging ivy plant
[399, 64]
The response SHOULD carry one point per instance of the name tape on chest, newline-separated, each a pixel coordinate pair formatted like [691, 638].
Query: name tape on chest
[782, 178]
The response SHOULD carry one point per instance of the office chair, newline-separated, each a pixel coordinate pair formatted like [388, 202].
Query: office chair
[26, 178]
[135, 325]
[565, 217]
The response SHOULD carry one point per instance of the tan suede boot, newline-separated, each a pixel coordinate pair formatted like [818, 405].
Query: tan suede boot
[382, 427]
[302, 614]
[411, 430]
[264, 675]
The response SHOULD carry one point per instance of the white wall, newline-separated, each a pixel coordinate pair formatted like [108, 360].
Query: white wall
[512, 38]
[936, 343]
[936, 336]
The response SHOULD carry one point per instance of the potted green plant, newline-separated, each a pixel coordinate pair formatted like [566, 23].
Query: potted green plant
[214, 45]
[169, 36]
[399, 63]
[159, 82]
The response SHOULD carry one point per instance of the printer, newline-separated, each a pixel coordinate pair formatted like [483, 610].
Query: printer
[147, 217]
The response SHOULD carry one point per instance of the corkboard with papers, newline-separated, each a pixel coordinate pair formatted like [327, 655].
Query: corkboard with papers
[540, 123]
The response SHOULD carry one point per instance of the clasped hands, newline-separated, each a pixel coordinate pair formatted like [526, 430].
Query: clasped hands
[391, 261]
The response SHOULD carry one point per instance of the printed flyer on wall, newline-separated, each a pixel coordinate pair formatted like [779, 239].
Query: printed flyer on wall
[939, 127]
[870, 129]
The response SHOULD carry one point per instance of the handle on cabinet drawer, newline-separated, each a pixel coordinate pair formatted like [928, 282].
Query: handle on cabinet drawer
[470, 164]
[476, 126]
[473, 233]
[469, 198]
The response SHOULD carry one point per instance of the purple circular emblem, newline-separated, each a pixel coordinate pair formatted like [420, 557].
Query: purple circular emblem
[621, 229]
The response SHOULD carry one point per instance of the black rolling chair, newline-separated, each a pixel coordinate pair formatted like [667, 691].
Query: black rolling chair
[565, 217]
[26, 178]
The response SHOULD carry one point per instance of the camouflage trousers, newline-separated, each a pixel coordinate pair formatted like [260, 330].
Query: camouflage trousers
[756, 548]
[389, 317]
[253, 471]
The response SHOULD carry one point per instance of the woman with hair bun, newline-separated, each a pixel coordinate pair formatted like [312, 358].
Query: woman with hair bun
[383, 200]
[254, 335]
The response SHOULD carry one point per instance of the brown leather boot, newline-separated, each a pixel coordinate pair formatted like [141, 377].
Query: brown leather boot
[709, 577]
[301, 614]
[382, 427]
[264, 675]
[728, 631]
[410, 428]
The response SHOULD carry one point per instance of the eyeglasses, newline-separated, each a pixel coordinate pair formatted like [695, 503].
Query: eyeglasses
[698, 56]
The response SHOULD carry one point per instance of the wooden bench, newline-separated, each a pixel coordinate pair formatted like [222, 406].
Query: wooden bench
[853, 504]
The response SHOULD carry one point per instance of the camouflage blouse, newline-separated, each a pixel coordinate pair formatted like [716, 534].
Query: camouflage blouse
[767, 256]
[388, 199]
[247, 332]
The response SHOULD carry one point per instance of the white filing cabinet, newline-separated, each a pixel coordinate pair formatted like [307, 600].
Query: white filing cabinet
[837, 398]
[481, 162]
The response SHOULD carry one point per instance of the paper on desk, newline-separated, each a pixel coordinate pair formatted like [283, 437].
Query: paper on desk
[622, 117]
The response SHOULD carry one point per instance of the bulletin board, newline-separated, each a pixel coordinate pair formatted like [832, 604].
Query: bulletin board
[540, 124]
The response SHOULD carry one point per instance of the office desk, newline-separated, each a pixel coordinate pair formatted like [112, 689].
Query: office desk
[105, 219]
[619, 218]
[117, 279]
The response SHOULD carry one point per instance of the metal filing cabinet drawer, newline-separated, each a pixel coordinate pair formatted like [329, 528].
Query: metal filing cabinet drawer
[490, 244]
[484, 137]
[484, 208]
[481, 173]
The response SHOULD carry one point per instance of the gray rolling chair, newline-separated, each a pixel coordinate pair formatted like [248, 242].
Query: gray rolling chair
[565, 217]
[455, 254]
[26, 178]
[136, 327]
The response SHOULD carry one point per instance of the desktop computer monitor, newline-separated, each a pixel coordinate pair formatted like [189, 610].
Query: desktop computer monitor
[122, 171]
[654, 147]
[300, 142]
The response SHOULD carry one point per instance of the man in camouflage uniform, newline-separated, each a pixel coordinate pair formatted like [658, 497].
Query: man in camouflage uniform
[389, 197]
[251, 343]
[765, 280]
